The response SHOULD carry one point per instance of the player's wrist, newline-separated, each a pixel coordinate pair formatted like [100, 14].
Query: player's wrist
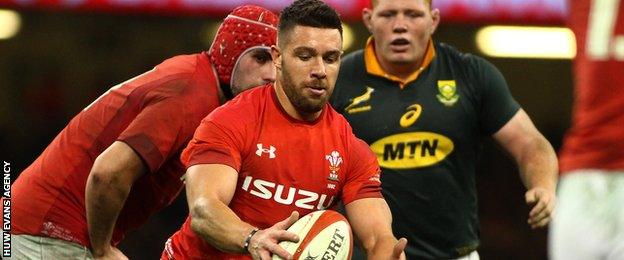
[544, 187]
[98, 251]
[383, 243]
[247, 241]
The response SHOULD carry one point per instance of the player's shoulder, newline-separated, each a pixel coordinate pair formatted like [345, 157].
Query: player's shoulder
[352, 65]
[449, 52]
[353, 59]
[339, 123]
[245, 107]
[174, 77]
[350, 80]
[354, 144]
[470, 63]
[187, 63]
[189, 78]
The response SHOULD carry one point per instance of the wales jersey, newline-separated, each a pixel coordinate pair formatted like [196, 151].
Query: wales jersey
[426, 132]
[155, 114]
[283, 165]
[596, 138]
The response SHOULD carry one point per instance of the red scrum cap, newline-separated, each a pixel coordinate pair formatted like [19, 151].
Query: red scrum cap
[246, 27]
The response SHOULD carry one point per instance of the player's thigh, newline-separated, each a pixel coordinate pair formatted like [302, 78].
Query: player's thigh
[359, 254]
[617, 248]
[472, 256]
[25, 247]
[582, 223]
[35, 247]
[60, 249]
[617, 251]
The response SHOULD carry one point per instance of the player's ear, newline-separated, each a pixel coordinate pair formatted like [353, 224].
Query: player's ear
[367, 15]
[435, 16]
[276, 55]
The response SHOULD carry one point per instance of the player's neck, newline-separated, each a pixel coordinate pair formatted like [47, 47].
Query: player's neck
[290, 108]
[221, 96]
[400, 70]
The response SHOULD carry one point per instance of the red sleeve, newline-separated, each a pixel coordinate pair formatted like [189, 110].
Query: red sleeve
[156, 133]
[213, 143]
[363, 179]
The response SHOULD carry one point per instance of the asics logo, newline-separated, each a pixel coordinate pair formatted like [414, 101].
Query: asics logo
[270, 151]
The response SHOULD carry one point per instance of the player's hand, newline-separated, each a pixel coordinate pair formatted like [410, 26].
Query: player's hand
[112, 253]
[399, 248]
[543, 202]
[265, 242]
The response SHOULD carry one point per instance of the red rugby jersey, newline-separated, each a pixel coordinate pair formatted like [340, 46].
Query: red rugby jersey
[596, 137]
[155, 113]
[284, 165]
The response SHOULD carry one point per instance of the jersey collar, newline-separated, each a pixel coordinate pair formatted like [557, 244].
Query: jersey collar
[374, 68]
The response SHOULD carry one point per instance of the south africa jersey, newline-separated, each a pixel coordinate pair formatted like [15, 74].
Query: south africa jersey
[283, 165]
[426, 133]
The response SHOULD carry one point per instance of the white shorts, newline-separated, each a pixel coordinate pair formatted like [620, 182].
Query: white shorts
[588, 222]
[472, 256]
[358, 254]
[35, 247]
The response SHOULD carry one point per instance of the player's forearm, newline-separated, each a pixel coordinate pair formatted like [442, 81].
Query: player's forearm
[104, 199]
[380, 247]
[538, 165]
[371, 222]
[216, 223]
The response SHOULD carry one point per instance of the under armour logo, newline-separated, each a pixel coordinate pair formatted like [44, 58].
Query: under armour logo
[270, 151]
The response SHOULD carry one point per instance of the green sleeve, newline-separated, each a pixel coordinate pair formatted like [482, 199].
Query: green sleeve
[497, 104]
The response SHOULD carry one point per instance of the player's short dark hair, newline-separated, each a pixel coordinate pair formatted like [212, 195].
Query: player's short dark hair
[313, 13]
[429, 2]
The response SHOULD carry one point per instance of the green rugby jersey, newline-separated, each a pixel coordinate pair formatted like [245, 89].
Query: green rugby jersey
[427, 134]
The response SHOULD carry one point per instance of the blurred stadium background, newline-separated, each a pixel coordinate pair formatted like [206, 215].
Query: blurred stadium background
[56, 56]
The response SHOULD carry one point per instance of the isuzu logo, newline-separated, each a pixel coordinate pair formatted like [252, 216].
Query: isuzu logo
[281, 194]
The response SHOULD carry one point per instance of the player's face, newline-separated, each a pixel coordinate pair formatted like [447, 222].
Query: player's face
[401, 29]
[308, 65]
[254, 68]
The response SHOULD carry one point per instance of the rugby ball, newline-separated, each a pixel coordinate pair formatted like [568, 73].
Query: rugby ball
[324, 234]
